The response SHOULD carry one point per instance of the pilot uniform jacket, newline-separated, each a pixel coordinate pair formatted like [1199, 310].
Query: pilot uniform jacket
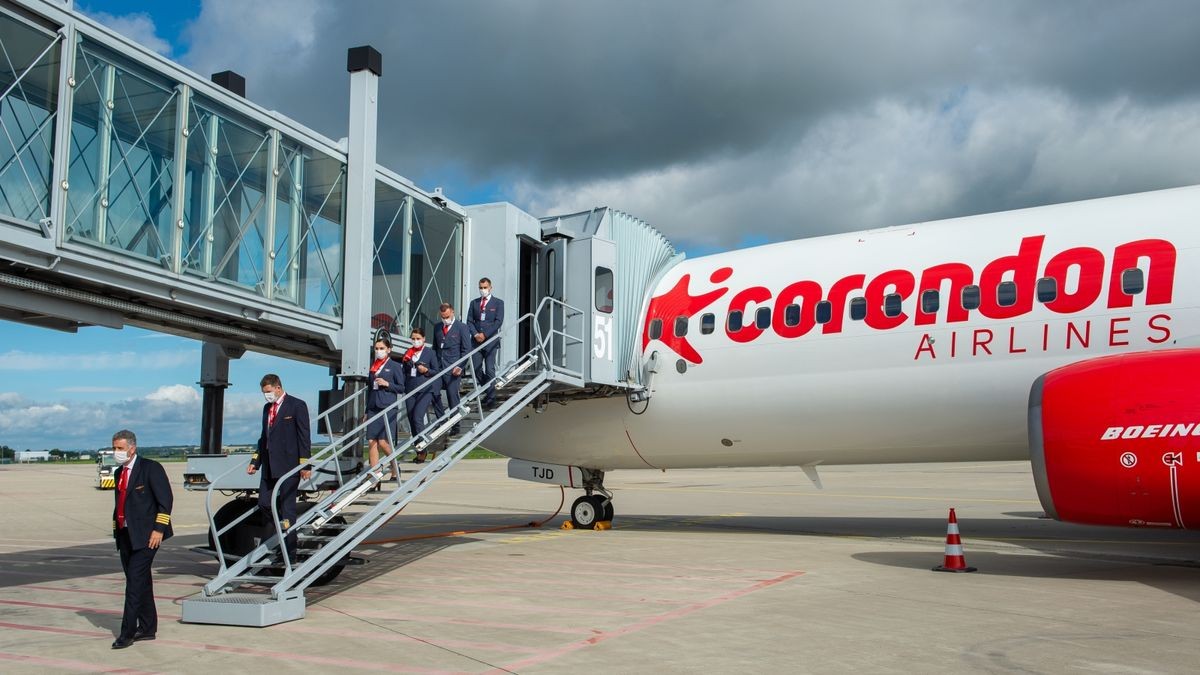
[487, 320]
[379, 398]
[148, 502]
[285, 444]
[452, 345]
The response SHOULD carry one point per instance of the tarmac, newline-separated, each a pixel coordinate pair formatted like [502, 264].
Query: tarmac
[730, 570]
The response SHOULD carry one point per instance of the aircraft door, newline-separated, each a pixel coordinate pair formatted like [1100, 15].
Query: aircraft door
[551, 283]
[606, 341]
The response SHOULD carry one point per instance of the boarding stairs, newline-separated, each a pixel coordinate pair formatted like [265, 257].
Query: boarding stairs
[266, 586]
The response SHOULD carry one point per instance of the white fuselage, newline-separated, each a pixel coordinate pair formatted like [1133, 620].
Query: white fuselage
[943, 386]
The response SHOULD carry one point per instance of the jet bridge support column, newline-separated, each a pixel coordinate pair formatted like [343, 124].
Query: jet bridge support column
[366, 66]
[214, 378]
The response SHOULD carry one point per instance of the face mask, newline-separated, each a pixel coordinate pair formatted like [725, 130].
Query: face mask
[381, 353]
[417, 344]
[448, 321]
[270, 396]
[121, 456]
[485, 292]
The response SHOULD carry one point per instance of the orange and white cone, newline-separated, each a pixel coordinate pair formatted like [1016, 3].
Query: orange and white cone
[954, 561]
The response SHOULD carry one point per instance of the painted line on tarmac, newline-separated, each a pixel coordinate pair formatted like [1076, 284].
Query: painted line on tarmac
[67, 664]
[647, 623]
[287, 657]
[88, 591]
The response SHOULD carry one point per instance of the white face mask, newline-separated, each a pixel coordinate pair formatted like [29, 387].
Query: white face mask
[417, 344]
[485, 292]
[448, 321]
[270, 396]
[381, 353]
[121, 456]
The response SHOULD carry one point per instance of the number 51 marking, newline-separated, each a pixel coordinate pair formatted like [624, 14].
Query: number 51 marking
[602, 346]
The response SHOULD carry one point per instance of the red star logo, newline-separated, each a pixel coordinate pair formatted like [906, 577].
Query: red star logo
[679, 302]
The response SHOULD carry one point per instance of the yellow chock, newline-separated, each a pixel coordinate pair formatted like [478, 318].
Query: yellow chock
[604, 525]
[567, 525]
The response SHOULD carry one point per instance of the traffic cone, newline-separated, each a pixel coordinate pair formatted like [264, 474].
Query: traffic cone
[954, 561]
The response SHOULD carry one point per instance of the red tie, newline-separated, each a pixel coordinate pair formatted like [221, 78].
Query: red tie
[445, 329]
[121, 497]
[482, 305]
[271, 415]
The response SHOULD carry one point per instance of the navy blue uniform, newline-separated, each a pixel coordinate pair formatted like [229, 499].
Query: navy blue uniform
[148, 502]
[282, 447]
[418, 404]
[379, 397]
[486, 317]
[452, 343]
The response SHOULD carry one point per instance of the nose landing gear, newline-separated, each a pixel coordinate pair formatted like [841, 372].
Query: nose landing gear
[596, 506]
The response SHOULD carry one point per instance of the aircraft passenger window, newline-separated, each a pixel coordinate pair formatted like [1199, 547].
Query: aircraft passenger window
[681, 326]
[858, 309]
[1132, 281]
[735, 321]
[762, 318]
[656, 329]
[708, 323]
[930, 302]
[824, 311]
[1047, 289]
[791, 315]
[604, 290]
[970, 297]
[1006, 293]
[891, 305]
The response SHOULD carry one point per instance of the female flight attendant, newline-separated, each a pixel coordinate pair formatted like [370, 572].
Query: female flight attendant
[420, 364]
[387, 382]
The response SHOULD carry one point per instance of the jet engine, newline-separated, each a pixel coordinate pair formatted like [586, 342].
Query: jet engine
[1116, 440]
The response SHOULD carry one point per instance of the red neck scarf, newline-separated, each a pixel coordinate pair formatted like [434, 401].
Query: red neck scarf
[378, 364]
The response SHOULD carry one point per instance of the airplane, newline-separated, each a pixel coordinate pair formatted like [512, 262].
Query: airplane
[1062, 334]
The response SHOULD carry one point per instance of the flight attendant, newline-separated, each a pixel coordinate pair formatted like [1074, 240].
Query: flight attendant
[420, 365]
[387, 383]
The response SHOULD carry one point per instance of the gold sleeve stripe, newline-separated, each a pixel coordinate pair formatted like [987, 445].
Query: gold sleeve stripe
[303, 461]
[254, 456]
[163, 519]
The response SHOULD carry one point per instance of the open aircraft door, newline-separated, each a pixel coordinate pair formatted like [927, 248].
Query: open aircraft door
[551, 283]
[591, 283]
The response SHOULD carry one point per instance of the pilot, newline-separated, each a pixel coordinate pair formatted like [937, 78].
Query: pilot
[484, 318]
[141, 522]
[420, 365]
[283, 445]
[387, 383]
[452, 341]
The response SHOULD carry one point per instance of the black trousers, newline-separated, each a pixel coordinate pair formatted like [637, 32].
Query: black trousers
[452, 385]
[286, 503]
[140, 612]
[485, 370]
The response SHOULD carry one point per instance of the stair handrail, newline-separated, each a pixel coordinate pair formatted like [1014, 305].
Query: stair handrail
[547, 302]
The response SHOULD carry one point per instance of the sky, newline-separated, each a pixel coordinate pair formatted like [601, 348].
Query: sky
[723, 124]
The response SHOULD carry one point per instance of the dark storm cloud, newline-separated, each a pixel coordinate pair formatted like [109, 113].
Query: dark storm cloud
[719, 103]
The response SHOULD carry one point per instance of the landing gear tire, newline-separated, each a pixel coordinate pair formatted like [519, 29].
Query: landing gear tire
[589, 510]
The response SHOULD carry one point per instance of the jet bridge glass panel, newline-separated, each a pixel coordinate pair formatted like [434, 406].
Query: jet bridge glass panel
[121, 179]
[29, 66]
[417, 262]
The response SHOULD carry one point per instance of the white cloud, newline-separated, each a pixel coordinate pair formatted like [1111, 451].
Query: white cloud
[138, 27]
[174, 394]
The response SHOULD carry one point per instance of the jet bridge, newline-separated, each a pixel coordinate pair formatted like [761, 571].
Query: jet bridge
[135, 192]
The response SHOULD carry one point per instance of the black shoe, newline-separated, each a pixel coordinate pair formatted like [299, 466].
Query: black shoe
[139, 636]
[455, 430]
[122, 643]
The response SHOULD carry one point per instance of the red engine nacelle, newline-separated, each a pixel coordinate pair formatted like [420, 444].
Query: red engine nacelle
[1116, 440]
